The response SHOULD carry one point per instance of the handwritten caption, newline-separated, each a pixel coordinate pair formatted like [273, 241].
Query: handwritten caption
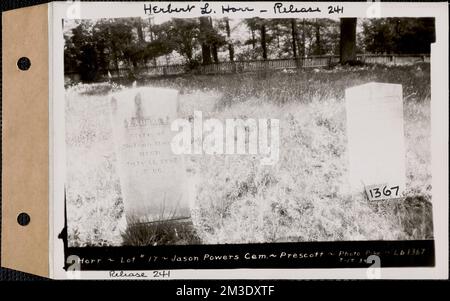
[140, 274]
[206, 8]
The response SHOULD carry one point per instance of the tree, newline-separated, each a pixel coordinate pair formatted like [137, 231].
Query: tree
[183, 33]
[119, 39]
[85, 54]
[259, 25]
[294, 37]
[94, 47]
[205, 32]
[262, 29]
[230, 43]
[252, 25]
[160, 43]
[282, 38]
[216, 41]
[210, 40]
[326, 36]
[318, 42]
[348, 40]
[398, 35]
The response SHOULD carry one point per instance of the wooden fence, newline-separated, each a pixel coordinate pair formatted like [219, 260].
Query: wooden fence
[260, 65]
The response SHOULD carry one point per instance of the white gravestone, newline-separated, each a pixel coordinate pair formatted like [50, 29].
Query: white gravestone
[376, 141]
[152, 178]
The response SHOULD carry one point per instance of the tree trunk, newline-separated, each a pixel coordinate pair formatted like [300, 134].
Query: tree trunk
[230, 45]
[303, 38]
[116, 60]
[206, 54]
[206, 49]
[318, 41]
[150, 29]
[152, 37]
[253, 38]
[263, 41]
[276, 30]
[348, 40]
[140, 32]
[214, 44]
[214, 53]
[294, 36]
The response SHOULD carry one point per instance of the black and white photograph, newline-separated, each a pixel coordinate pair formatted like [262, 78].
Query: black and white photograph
[281, 81]
[230, 132]
[230, 141]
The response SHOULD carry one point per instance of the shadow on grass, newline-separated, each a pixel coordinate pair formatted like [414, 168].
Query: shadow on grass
[179, 232]
[413, 215]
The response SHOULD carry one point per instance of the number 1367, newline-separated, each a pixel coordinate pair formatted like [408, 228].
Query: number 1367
[382, 192]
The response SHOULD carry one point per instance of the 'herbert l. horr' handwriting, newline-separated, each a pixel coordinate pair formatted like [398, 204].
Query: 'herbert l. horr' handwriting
[207, 9]
[235, 9]
[150, 9]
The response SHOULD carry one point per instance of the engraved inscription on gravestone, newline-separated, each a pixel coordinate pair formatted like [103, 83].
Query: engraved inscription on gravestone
[152, 178]
[376, 141]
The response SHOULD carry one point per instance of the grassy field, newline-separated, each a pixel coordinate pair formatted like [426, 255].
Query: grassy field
[302, 198]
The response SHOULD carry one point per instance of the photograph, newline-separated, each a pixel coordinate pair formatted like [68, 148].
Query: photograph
[254, 141]
[215, 130]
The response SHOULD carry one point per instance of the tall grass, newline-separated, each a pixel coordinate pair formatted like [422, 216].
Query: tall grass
[156, 233]
[161, 229]
[305, 197]
[303, 85]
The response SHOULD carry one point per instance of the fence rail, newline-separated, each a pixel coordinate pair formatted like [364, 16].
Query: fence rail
[259, 65]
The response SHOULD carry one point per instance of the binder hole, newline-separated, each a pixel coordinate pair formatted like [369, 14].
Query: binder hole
[24, 63]
[23, 219]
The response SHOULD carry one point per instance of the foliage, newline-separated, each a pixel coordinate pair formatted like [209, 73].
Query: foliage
[398, 35]
[96, 47]
[110, 44]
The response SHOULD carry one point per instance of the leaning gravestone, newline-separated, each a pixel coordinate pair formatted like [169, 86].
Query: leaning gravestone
[376, 141]
[152, 178]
